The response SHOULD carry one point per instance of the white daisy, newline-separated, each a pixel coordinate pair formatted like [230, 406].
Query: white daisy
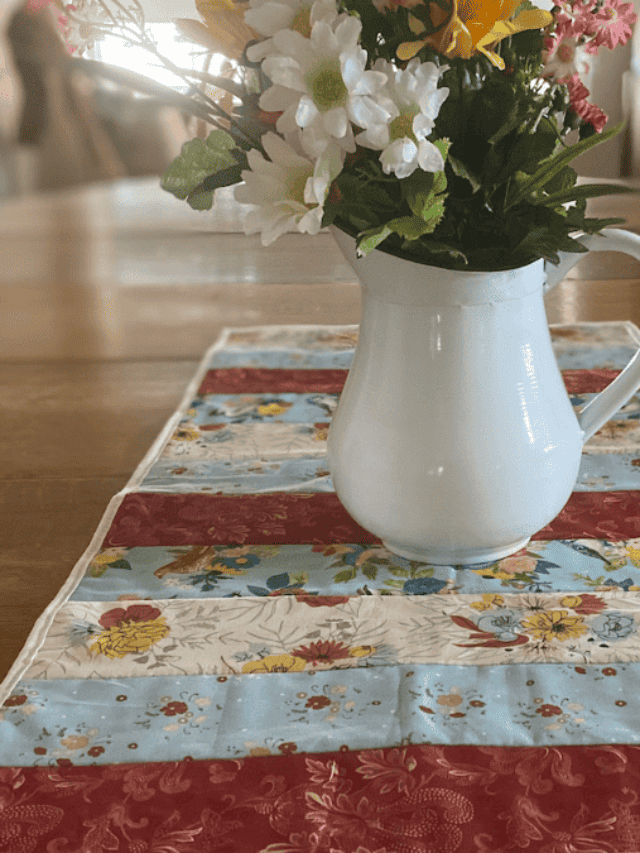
[413, 99]
[288, 191]
[268, 17]
[321, 85]
[565, 59]
[82, 24]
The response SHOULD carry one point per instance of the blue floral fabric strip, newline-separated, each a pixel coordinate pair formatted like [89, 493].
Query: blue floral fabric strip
[240, 477]
[284, 359]
[598, 472]
[351, 569]
[204, 717]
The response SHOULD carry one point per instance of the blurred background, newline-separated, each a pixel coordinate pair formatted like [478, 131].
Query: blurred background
[63, 122]
[63, 125]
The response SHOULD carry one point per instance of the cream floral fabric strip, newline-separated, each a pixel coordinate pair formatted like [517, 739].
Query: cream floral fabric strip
[279, 634]
[226, 442]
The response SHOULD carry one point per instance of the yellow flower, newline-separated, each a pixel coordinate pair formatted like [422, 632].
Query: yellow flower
[473, 26]
[489, 600]
[634, 555]
[272, 409]
[130, 638]
[75, 742]
[361, 651]
[227, 570]
[571, 601]
[186, 432]
[275, 663]
[259, 750]
[449, 700]
[554, 625]
[224, 23]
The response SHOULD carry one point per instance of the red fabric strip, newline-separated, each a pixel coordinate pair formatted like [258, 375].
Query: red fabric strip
[420, 799]
[588, 381]
[196, 519]
[241, 380]
[296, 518]
[267, 380]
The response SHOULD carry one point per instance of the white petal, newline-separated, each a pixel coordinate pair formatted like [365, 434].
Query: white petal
[311, 222]
[352, 64]
[306, 112]
[291, 43]
[365, 112]
[335, 122]
[429, 158]
[323, 40]
[277, 98]
[348, 31]
[269, 18]
[281, 153]
[287, 121]
[284, 71]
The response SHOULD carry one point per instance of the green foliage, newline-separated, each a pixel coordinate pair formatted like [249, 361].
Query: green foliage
[507, 195]
[202, 167]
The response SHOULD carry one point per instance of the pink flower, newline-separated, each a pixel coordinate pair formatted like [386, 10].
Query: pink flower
[590, 603]
[135, 613]
[578, 94]
[591, 114]
[548, 710]
[174, 708]
[613, 25]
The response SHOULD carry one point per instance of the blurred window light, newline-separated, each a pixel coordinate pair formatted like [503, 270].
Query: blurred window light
[112, 50]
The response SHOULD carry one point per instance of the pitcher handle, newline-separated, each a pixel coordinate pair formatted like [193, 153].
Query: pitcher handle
[612, 399]
[611, 240]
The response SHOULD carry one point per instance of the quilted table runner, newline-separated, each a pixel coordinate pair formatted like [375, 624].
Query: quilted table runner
[235, 665]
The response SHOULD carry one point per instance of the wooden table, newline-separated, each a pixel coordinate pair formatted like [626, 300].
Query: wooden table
[109, 296]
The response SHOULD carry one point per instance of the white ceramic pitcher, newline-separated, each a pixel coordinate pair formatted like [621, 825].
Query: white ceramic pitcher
[455, 440]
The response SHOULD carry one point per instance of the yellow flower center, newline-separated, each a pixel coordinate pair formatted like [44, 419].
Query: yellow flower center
[297, 184]
[402, 126]
[326, 85]
[302, 22]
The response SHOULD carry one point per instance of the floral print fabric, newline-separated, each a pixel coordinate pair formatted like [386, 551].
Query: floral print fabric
[312, 633]
[418, 799]
[316, 693]
[337, 569]
[107, 721]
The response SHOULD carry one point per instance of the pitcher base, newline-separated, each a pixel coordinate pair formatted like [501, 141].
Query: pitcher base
[466, 557]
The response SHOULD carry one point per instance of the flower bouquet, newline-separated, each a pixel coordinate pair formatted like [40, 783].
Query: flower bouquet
[437, 130]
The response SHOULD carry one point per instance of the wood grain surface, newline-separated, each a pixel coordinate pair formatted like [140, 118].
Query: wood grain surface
[109, 296]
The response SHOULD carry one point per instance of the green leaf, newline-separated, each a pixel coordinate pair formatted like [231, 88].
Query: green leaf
[397, 572]
[594, 226]
[548, 170]
[416, 189]
[545, 243]
[198, 161]
[347, 575]
[585, 191]
[370, 571]
[424, 573]
[461, 171]
[394, 584]
[371, 238]
[412, 227]
[201, 198]
[120, 564]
